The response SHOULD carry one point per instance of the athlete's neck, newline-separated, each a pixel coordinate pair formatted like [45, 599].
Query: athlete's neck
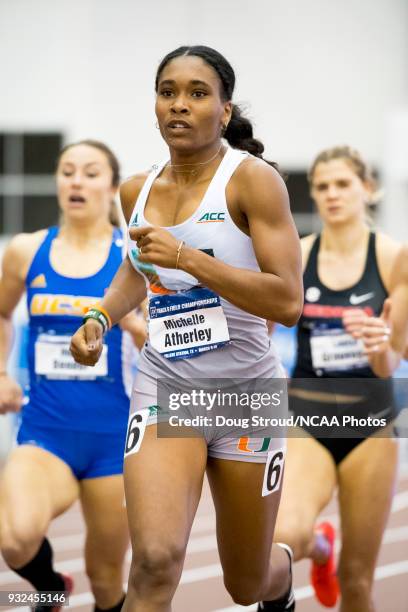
[344, 239]
[186, 168]
[83, 234]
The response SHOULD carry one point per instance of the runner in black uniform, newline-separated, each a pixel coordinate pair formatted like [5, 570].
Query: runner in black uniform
[324, 350]
[346, 268]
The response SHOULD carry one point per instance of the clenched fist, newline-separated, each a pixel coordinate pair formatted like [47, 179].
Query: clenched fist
[157, 246]
[87, 343]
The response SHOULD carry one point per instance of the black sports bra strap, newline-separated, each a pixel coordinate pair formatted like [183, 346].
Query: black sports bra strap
[370, 266]
[371, 247]
[311, 264]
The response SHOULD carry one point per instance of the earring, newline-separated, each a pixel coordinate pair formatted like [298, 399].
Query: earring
[224, 128]
[157, 125]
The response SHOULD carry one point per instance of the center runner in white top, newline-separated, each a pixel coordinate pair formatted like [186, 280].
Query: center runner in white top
[240, 337]
[215, 245]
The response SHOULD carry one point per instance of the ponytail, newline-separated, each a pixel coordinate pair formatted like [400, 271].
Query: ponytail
[239, 134]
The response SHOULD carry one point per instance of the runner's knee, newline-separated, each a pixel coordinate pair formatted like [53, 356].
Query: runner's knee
[243, 592]
[297, 533]
[245, 586]
[19, 539]
[355, 579]
[104, 577]
[156, 565]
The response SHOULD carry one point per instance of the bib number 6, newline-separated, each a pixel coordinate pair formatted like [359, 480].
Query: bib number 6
[135, 431]
[273, 471]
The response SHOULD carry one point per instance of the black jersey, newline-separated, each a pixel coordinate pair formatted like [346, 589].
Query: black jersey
[324, 349]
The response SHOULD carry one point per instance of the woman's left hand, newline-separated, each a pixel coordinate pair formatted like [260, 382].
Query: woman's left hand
[375, 335]
[373, 331]
[353, 321]
[156, 245]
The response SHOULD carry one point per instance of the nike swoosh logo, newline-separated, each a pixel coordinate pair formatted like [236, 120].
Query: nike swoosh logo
[358, 299]
[377, 415]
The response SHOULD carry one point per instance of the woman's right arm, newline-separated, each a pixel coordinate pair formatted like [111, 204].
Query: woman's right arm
[126, 291]
[399, 301]
[12, 287]
[386, 353]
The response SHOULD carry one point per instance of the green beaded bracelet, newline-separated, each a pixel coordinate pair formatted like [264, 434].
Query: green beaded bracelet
[97, 315]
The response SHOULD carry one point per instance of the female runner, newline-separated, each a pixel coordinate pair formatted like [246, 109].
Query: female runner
[346, 267]
[72, 434]
[203, 222]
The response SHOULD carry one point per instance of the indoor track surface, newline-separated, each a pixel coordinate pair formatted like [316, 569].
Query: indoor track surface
[201, 588]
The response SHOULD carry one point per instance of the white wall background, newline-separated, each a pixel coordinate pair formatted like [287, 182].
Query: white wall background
[315, 72]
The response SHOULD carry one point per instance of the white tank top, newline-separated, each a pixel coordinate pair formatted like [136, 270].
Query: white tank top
[211, 229]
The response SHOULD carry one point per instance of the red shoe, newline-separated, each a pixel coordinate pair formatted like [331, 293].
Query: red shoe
[323, 577]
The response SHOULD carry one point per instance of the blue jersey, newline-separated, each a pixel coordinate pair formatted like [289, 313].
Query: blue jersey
[64, 394]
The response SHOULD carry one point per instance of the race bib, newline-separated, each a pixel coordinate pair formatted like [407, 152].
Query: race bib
[135, 432]
[53, 360]
[187, 323]
[273, 471]
[335, 350]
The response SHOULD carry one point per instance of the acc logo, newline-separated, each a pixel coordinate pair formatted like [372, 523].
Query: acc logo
[212, 217]
[134, 222]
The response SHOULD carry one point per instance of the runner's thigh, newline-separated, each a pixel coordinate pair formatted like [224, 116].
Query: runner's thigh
[245, 519]
[308, 485]
[36, 486]
[366, 486]
[163, 482]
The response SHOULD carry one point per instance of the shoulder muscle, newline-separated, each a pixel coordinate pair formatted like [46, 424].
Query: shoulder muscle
[386, 250]
[20, 252]
[399, 273]
[259, 187]
[17, 258]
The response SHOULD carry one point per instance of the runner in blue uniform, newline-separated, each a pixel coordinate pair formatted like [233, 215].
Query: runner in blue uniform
[201, 225]
[73, 426]
[346, 268]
